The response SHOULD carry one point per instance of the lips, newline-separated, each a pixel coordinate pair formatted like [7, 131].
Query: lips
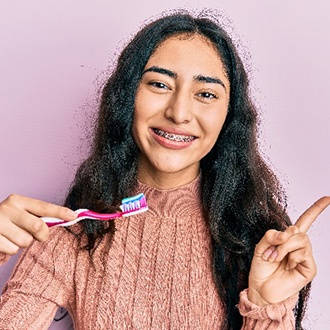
[174, 137]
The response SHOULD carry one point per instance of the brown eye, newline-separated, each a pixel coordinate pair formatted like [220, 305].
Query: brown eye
[207, 95]
[158, 84]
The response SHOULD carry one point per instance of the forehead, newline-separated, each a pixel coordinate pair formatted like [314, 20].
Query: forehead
[188, 53]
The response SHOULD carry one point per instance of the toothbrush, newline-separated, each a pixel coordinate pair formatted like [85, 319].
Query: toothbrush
[130, 206]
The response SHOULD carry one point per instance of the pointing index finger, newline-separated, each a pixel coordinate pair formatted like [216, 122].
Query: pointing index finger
[309, 216]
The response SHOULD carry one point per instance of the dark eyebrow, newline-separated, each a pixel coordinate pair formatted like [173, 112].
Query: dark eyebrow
[211, 80]
[161, 70]
[172, 74]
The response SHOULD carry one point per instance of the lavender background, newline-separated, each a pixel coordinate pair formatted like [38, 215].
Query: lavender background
[55, 55]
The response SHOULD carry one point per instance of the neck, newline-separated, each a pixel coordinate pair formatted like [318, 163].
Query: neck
[164, 180]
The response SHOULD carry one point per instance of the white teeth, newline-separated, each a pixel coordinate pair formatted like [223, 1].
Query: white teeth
[173, 137]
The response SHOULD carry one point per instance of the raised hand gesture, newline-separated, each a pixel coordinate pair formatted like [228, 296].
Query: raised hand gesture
[283, 262]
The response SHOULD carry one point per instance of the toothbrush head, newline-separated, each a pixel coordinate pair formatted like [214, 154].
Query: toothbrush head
[134, 205]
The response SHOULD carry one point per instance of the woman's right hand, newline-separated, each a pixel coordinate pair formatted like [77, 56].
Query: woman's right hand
[20, 221]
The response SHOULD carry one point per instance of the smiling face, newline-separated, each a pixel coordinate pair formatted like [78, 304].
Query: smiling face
[180, 107]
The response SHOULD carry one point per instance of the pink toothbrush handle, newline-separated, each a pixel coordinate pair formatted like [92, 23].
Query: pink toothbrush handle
[100, 216]
[130, 206]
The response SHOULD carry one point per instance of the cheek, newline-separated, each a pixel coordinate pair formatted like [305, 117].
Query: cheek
[137, 107]
[140, 122]
[149, 103]
[213, 124]
[136, 120]
[139, 111]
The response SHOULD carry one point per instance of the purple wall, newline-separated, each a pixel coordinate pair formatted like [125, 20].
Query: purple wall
[55, 56]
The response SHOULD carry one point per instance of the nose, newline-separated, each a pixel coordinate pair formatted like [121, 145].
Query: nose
[179, 109]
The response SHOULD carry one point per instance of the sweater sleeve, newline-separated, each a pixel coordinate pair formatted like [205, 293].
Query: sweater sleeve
[278, 316]
[41, 282]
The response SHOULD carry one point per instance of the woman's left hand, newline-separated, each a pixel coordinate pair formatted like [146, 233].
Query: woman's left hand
[283, 262]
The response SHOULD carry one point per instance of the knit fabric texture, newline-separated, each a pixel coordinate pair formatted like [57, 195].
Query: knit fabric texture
[156, 274]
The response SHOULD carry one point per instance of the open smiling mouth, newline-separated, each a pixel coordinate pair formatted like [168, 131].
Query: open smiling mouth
[174, 137]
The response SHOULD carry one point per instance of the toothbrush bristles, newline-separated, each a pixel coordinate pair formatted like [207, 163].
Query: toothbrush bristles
[135, 204]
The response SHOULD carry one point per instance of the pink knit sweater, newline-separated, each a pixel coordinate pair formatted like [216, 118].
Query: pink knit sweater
[156, 275]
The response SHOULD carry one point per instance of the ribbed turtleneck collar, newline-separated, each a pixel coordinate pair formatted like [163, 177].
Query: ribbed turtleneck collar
[179, 201]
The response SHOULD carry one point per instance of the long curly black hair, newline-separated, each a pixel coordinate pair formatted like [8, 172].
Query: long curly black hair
[240, 195]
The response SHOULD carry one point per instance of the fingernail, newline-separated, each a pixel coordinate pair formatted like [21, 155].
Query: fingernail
[267, 253]
[273, 256]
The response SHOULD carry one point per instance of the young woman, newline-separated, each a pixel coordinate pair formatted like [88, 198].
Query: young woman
[216, 249]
